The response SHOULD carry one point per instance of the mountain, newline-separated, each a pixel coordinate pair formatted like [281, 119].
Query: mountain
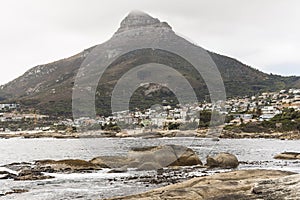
[49, 87]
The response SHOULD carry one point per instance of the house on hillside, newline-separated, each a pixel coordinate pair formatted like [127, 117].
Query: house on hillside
[268, 112]
[9, 106]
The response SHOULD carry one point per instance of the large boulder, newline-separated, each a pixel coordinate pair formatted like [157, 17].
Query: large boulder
[151, 158]
[156, 157]
[288, 156]
[185, 156]
[222, 160]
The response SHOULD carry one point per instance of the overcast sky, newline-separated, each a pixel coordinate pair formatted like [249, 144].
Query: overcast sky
[261, 33]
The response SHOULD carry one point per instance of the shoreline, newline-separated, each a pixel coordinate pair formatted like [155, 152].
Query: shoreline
[240, 184]
[150, 135]
[164, 179]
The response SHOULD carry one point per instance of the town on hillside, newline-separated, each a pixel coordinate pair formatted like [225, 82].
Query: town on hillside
[260, 109]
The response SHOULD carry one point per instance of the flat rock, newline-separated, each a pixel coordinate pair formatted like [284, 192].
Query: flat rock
[283, 188]
[288, 156]
[71, 165]
[244, 184]
[31, 175]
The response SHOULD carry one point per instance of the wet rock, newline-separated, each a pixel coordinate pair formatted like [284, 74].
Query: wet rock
[161, 177]
[14, 191]
[6, 173]
[31, 175]
[23, 172]
[222, 160]
[69, 165]
[118, 170]
[288, 156]
[19, 166]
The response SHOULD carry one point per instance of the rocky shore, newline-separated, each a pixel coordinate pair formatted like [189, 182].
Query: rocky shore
[172, 163]
[146, 158]
[146, 134]
[293, 135]
[244, 184]
[175, 167]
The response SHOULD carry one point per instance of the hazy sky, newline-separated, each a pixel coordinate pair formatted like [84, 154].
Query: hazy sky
[261, 33]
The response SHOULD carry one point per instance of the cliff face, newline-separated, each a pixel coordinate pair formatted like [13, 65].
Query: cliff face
[49, 87]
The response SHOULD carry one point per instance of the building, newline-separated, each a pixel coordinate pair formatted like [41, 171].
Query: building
[9, 106]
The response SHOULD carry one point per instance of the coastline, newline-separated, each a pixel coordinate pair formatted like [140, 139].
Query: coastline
[242, 184]
[225, 134]
[62, 166]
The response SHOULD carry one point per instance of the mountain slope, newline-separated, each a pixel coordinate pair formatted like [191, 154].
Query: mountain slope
[49, 87]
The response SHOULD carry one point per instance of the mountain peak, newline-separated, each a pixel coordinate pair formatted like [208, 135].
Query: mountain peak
[138, 13]
[137, 19]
